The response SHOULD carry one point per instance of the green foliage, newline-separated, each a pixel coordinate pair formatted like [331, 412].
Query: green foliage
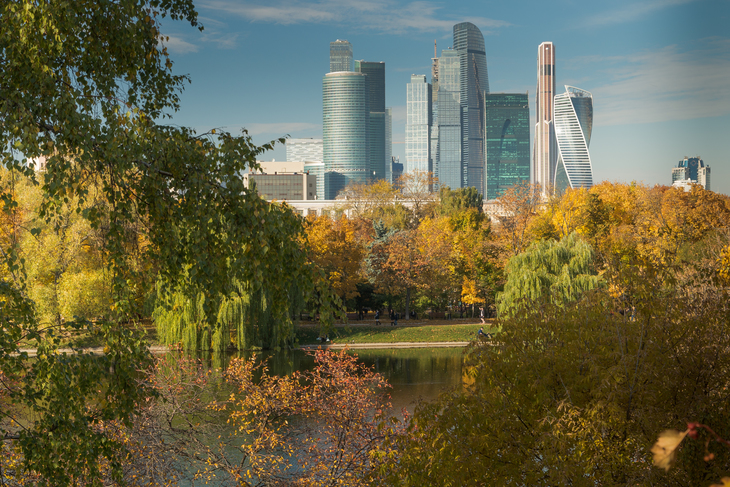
[84, 86]
[454, 200]
[562, 270]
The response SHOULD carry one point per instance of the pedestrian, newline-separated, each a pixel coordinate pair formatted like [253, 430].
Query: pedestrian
[481, 314]
[377, 317]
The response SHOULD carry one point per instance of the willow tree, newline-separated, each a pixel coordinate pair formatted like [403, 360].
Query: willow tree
[561, 270]
[85, 87]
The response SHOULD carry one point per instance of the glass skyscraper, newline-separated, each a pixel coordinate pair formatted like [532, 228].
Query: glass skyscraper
[346, 129]
[573, 120]
[388, 144]
[545, 150]
[507, 130]
[469, 44]
[375, 81]
[418, 125]
[449, 167]
[340, 56]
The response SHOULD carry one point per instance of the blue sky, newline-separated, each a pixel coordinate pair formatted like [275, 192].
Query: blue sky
[659, 70]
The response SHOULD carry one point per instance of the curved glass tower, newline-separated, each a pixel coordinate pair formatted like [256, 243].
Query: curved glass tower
[469, 43]
[573, 119]
[345, 127]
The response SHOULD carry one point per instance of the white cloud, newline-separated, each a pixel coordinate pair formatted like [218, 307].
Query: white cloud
[631, 12]
[177, 45]
[378, 15]
[664, 85]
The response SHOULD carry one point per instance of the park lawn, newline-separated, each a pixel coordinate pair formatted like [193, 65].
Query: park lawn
[419, 333]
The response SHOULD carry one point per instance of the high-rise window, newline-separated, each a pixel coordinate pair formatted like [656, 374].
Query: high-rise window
[507, 130]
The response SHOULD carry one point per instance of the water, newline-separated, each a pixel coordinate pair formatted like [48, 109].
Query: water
[415, 373]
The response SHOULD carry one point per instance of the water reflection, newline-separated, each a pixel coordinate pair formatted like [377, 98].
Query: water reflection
[416, 373]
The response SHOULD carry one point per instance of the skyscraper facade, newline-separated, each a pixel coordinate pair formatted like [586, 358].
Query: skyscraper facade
[389, 144]
[469, 44]
[340, 56]
[545, 148]
[449, 165]
[346, 128]
[375, 80]
[418, 125]
[573, 122]
[304, 150]
[507, 133]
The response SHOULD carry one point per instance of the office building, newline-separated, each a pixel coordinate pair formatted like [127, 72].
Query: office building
[397, 170]
[545, 150]
[316, 169]
[304, 150]
[375, 80]
[388, 144]
[283, 186]
[346, 128]
[449, 166]
[340, 56]
[507, 133]
[573, 122]
[474, 81]
[418, 125]
[693, 170]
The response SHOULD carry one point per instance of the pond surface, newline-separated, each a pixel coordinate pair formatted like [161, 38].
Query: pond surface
[414, 373]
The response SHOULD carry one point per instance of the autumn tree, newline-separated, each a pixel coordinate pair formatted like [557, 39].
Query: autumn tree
[576, 394]
[334, 248]
[87, 86]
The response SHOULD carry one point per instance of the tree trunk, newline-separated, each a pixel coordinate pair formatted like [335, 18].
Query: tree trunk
[408, 300]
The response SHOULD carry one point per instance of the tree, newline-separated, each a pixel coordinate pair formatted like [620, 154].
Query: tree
[560, 271]
[519, 205]
[334, 248]
[84, 86]
[576, 394]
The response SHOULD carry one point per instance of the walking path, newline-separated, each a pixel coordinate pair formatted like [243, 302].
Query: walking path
[340, 346]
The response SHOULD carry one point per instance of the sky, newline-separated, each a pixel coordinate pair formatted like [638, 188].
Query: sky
[659, 70]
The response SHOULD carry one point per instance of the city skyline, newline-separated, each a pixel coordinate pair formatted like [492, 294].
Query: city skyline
[658, 70]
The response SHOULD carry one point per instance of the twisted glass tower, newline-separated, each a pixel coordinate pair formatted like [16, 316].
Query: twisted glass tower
[346, 129]
[573, 119]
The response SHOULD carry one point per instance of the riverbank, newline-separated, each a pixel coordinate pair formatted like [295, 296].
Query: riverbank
[358, 333]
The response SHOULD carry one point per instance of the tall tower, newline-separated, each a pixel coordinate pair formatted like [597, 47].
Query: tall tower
[573, 121]
[469, 43]
[375, 80]
[345, 130]
[545, 148]
[389, 144]
[434, 112]
[340, 56]
[507, 130]
[418, 125]
[449, 167]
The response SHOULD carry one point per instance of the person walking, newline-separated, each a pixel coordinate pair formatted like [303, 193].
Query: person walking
[377, 317]
[481, 314]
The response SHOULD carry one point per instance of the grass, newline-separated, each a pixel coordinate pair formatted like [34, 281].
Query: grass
[419, 332]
